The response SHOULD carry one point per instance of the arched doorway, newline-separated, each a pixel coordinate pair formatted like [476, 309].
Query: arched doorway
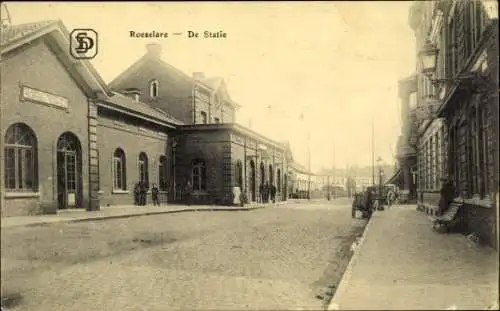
[69, 171]
[285, 188]
[252, 181]
[271, 175]
[262, 174]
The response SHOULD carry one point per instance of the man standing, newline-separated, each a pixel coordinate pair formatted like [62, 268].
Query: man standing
[154, 195]
[137, 193]
[261, 193]
[273, 193]
[143, 190]
[267, 192]
[390, 198]
[189, 193]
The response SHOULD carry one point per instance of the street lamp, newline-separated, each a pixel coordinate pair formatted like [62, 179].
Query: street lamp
[380, 174]
[428, 58]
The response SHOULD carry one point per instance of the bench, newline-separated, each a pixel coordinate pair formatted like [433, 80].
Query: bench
[449, 219]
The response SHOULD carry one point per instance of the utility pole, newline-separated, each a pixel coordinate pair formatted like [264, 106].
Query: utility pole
[5, 20]
[309, 164]
[334, 169]
[373, 153]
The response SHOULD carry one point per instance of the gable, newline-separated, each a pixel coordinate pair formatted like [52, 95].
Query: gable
[223, 93]
[172, 82]
[16, 39]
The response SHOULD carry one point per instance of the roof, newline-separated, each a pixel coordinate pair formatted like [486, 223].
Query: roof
[180, 84]
[131, 105]
[214, 83]
[238, 128]
[299, 168]
[12, 33]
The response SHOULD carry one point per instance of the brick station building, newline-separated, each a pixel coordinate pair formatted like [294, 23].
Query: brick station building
[71, 141]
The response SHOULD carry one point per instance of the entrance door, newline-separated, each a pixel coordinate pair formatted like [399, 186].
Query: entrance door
[69, 171]
[252, 181]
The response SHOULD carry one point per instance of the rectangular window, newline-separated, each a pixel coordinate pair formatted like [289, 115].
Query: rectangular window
[10, 168]
[118, 173]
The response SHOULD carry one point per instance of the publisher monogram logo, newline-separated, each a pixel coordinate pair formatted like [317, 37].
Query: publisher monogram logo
[83, 43]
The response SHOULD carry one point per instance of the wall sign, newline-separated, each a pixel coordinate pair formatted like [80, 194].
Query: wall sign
[44, 97]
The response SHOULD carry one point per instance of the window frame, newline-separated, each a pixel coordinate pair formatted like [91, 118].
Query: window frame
[20, 165]
[119, 157]
[199, 173]
[154, 88]
[143, 168]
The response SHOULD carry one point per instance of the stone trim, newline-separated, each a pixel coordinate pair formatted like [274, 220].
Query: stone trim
[20, 195]
[116, 191]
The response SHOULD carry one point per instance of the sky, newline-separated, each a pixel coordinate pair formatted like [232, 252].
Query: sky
[335, 63]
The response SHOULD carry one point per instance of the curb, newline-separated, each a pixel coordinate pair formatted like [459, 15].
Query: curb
[346, 276]
[99, 218]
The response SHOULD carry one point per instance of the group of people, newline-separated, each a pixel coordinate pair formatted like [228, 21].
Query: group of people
[141, 194]
[267, 193]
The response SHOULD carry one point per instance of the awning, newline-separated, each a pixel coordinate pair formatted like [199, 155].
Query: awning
[395, 179]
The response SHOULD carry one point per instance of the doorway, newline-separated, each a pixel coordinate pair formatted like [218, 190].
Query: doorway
[252, 181]
[69, 171]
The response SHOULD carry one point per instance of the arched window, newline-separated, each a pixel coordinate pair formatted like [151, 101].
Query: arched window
[143, 168]
[271, 175]
[119, 170]
[203, 117]
[163, 177]
[238, 174]
[153, 88]
[21, 172]
[278, 180]
[199, 175]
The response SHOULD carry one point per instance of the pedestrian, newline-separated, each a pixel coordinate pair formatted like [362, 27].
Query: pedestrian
[154, 195]
[189, 194]
[261, 193]
[390, 198]
[266, 192]
[273, 193]
[143, 193]
[447, 193]
[136, 194]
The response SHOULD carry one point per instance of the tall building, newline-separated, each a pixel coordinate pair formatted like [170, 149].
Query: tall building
[457, 107]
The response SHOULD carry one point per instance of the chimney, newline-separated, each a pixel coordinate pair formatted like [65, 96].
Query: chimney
[154, 49]
[133, 93]
[198, 75]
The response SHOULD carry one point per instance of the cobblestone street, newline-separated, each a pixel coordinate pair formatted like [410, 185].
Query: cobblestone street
[286, 257]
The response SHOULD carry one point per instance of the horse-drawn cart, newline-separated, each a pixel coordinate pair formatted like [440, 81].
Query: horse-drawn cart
[362, 202]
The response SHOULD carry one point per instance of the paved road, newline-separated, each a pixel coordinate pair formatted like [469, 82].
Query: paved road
[274, 258]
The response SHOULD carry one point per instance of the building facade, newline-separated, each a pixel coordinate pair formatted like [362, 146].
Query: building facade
[458, 123]
[70, 141]
[406, 149]
[47, 114]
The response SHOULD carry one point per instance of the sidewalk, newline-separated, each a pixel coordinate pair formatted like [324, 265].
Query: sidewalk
[401, 263]
[76, 215]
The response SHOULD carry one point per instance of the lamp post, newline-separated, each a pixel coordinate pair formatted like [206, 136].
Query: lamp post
[380, 174]
[174, 146]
